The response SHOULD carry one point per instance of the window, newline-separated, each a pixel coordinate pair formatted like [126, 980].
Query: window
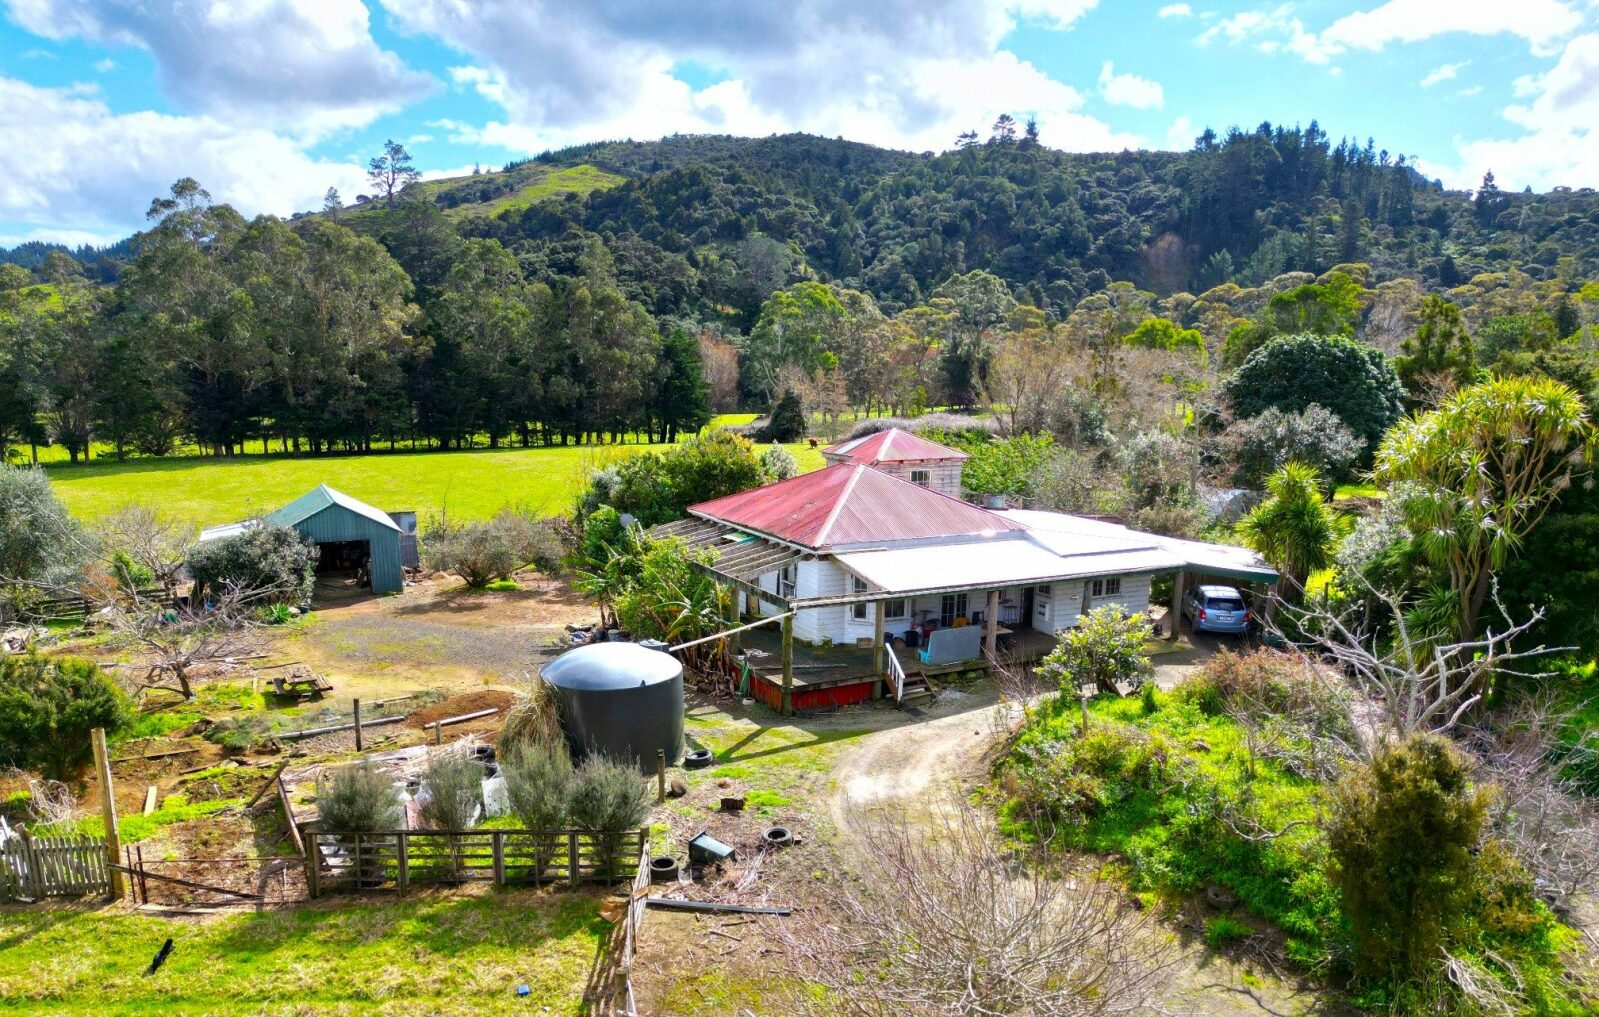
[950, 607]
[859, 611]
[1044, 590]
[1108, 587]
[785, 581]
[894, 610]
[922, 478]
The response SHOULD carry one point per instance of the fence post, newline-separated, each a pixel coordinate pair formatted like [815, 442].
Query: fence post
[313, 865]
[402, 861]
[357, 703]
[498, 840]
[660, 775]
[108, 807]
[438, 732]
[573, 869]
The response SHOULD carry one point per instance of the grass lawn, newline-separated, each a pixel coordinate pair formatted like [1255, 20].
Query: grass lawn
[471, 484]
[1358, 491]
[424, 955]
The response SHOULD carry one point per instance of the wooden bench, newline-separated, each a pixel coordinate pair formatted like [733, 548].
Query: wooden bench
[301, 684]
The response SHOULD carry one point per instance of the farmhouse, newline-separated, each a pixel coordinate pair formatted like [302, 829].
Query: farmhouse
[883, 557]
[349, 535]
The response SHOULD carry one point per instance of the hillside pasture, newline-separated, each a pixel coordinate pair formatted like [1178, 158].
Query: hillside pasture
[471, 484]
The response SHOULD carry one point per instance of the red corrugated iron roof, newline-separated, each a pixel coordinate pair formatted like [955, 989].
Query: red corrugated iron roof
[850, 504]
[891, 446]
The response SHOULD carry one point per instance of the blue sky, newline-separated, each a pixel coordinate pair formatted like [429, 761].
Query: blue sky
[269, 102]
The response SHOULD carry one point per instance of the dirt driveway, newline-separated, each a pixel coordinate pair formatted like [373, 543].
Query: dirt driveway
[935, 757]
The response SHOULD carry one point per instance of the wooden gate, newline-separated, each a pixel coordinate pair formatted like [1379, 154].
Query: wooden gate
[33, 868]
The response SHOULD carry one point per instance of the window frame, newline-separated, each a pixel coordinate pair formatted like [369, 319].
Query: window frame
[787, 581]
[926, 478]
[858, 611]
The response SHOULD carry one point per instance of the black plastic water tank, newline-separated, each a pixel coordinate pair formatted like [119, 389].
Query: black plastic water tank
[622, 700]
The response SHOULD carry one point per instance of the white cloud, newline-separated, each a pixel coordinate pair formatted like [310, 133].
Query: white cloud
[72, 168]
[1180, 135]
[302, 65]
[1177, 11]
[1558, 144]
[105, 66]
[1446, 72]
[907, 74]
[1129, 89]
[1540, 22]
[1466, 93]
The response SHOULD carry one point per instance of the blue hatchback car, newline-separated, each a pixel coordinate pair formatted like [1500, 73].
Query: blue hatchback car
[1216, 609]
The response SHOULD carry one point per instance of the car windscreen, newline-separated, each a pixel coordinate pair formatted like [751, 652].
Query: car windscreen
[1224, 604]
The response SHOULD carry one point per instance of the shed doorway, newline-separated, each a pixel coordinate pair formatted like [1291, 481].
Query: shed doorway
[344, 565]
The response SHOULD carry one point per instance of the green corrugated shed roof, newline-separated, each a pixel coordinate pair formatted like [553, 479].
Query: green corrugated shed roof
[312, 502]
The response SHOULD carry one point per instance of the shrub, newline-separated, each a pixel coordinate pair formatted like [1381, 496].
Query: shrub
[608, 796]
[778, 463]
[454, 785]
[945, 428]
[1354, 381]
[1270, 440]
[483, 552]
[1264, 683]
[1402, 831]
[1105, 649]
[48, 707]
[1007, 466]
[1158, 469]
[656, 487]
[39, 540]
[539, 782]
[358, 799]
[266, 561]
[787, 422]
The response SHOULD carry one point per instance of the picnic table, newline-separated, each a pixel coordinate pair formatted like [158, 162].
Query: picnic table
[301, 683]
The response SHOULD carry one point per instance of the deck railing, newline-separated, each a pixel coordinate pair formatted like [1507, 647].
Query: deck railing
[896, 674]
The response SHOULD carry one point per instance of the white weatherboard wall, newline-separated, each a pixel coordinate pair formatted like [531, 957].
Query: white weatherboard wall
[945, 477]
[1062, 607]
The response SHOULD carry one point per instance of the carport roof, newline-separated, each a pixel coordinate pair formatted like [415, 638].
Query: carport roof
[323, 497]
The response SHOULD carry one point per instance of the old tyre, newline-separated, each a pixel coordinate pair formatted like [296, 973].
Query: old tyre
[697, 759]
[663, 869]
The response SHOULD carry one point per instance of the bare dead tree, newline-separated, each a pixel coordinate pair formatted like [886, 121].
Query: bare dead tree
[1550, 824]
[944, 921]
[175, 642]
[1409, 682]
[150, 543]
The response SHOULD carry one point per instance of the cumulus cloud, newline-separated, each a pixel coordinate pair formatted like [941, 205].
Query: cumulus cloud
[1557, 144]
[303, 65]
[1542, 23]
[1129, 89]
[1446, 72]
[72, 169]
[1177, 11]
[905, 73]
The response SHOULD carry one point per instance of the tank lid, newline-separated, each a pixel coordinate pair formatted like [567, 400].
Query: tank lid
[600, 667]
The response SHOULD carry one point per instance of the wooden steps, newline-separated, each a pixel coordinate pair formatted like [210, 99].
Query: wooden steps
[917, 686]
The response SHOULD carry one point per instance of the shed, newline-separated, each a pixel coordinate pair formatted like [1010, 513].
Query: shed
[339, 524]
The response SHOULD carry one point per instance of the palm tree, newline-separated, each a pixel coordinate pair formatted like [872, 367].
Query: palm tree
[1293, 529]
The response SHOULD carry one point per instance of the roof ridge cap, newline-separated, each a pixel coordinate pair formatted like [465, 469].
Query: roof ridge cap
[838, 504]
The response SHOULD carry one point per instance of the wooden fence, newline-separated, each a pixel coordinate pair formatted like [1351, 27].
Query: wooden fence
[397, 859]
[33, 868]
[632, 924]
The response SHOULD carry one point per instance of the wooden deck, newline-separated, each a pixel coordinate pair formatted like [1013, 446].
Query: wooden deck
[822, 667]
